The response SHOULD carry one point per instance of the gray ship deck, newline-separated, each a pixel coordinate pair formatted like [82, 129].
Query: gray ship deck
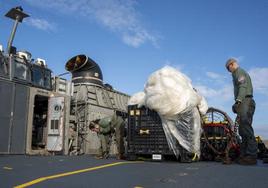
[86, 171]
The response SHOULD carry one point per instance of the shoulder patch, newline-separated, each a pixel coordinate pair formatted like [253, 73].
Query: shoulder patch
[241, 79]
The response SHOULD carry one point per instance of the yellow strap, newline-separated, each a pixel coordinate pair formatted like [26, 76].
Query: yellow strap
[194, 157]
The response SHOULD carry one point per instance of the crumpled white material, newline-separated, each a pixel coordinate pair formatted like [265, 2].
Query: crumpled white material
[202, 106]
[137, 98]
[185, 130]
[171, 94]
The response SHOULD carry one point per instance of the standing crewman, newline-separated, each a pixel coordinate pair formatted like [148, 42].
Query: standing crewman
[105, 127]
[244, 107]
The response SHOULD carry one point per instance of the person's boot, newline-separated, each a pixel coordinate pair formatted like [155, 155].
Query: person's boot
[106, 155]
[248, 160]
[120, 157]
[99, 156]
[218, 158]
[227, 161]
[238, 159]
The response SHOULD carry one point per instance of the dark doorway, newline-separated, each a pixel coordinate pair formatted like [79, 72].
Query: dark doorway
[39, 131]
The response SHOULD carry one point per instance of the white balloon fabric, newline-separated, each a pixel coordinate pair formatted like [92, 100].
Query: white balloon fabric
[171, 94]
[203, 106]
[137, 99]
[184, 130]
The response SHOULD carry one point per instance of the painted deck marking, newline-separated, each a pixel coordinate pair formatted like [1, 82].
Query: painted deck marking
[38, 180]
[7, 168]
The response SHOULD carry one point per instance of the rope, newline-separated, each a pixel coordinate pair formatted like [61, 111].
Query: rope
[230, 140]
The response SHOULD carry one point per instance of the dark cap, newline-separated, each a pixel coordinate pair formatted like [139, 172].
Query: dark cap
[229, 61]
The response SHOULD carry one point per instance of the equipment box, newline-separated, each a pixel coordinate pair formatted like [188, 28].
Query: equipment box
[145, 134]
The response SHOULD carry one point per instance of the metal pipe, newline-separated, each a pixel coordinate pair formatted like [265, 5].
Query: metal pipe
[62, 74]
[11, 38]
[18, 15]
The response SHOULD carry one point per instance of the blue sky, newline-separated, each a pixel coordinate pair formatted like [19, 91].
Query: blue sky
[132, 39]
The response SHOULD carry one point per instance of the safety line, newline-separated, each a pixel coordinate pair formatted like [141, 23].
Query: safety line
[38, 180]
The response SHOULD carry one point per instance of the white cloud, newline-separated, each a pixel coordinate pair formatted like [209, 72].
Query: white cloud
[221, 98]
[213, 75]
[225, 93]
[220, 95]
[134, 40]
[41, 24]
[217, 90]
[259, 78]
[220, 89]
[116, 15]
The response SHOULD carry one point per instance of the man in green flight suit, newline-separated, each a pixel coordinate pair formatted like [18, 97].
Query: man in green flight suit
[244, 107]
[105, 127]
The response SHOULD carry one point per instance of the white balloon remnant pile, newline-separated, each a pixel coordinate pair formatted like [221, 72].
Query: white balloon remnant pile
[171, 94]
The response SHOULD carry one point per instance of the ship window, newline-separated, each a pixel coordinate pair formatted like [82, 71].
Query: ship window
[37, 76]
[47, 79]
[20, 71]
[41, 77]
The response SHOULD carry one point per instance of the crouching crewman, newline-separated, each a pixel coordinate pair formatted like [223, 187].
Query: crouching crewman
[105, 127]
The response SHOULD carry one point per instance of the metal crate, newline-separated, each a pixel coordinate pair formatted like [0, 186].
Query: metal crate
[145, 133]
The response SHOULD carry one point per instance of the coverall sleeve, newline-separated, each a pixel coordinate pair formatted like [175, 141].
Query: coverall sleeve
[105, 130]
[242, 86]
